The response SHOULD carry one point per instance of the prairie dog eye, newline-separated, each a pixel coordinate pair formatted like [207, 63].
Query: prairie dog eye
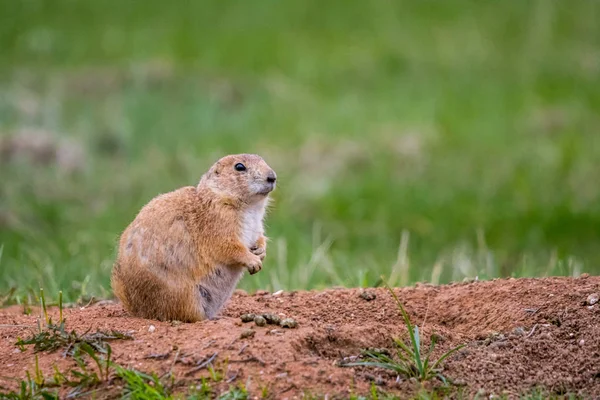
[240, 167]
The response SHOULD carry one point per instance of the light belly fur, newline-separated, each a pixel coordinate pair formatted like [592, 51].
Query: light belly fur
[216, 289]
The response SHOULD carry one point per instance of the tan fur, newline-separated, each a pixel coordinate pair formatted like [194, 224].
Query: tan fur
[185, 251]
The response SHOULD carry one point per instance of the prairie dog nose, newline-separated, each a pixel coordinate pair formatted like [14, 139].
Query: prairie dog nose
[271, 177]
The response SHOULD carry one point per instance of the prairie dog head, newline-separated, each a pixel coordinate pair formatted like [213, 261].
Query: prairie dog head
[245, 177]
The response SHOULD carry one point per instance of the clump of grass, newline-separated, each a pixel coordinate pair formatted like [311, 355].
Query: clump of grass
[203, 391]
[139, 385]
[29, 390]
[56, 336]
[235, 393]
[411, 362]
[85, 381]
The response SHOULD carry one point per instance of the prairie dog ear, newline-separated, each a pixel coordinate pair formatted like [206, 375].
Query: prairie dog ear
[215, 169]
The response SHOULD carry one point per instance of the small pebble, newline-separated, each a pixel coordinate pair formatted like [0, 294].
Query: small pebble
[272, 319]
[459, 382]
[248, 333]
[278, 293]
[175, 323]
[581, 342]
[248, 317]
[593, 299]
[288, 323]
[260, 321]
[519, 330]
[367, 295]
[151, 328]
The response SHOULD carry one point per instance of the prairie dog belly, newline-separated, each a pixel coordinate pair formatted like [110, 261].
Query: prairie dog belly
[215, 289]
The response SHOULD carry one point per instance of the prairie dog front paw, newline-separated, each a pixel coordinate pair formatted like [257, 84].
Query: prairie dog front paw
[261, 252]
[255, 265]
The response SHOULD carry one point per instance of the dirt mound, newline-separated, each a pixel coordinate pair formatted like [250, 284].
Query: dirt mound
[519, 334]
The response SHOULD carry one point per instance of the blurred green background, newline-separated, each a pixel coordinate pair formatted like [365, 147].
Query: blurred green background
[427, 141]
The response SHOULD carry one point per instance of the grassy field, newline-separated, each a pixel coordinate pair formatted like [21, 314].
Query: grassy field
[422, 140]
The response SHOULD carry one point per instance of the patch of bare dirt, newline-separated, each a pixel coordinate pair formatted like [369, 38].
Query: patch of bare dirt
[519, 334]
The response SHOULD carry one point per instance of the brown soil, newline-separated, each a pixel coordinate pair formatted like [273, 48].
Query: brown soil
[520, 334]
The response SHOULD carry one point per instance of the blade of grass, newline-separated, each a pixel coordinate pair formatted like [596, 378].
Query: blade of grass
[60, 307]
[85, 347]
[43, 300]
[405, 348]
[444, 356]
[417, 346]
[431, 347]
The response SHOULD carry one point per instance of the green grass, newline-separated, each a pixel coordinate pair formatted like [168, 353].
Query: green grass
[105, 376]
[466, 130]
[410, 360]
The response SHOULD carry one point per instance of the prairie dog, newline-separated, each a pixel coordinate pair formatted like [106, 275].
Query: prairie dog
[185, 252]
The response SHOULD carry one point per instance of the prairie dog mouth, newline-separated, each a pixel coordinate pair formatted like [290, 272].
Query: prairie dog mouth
[266, 188]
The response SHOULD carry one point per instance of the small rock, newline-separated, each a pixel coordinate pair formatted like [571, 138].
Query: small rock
[260, 320]
[272, 319]
[439, 338]
[151, 328]
[459, 382]
[581, 342]
[175, 323]
[277, 293]
[288, 323]
[593, 299]
[376, 350]
[519, 331]
[367, 295]
[248, 317]
[248, 333]
[500, 345]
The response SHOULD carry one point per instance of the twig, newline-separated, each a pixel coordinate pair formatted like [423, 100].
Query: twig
[210, 343]
[201, 366]
[162, 356]
[233, 378]
[292, 386]
[243, 348]
[532, 330]
[250, 359]
[89, 302]
[174, 361]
